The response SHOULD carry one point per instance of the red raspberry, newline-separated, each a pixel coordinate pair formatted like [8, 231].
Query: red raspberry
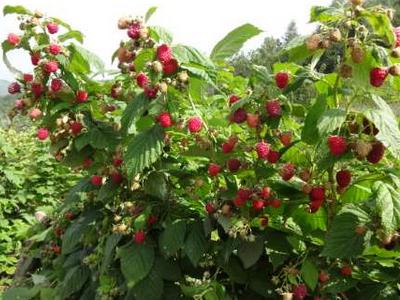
[314, 206]
[227, 147]
[42, 134]
[194, 124]
[377, 76]
[323, 277]
[116, 177]
[244, 194]
[51, 66]
[210, 208]
[52, 27]
[134, 30]
[116, 91]
[142, 80]
[35, 58]
[273, 156]
[19, 104]
[213, 169]
[343, 178]
[139, 237]
[56, 85]
[81, 96]
[317, 194]
[253, 120]
[37, 89]
[54, 49]
[281, 79]
[265, 192]
[35, 113]
[376, 153]
[164, 53]
[233, 99]
[287, 171]
[164, 119]
[273, 108]
[239, 202]
[117, 161]
[27, 77]
[76, 128]
[346, 271]
[13, 39]
[300, 292]
[397, 34]
[337, 145]
[275, 203]
[87, 162]
[96, 180]
[262, 149]
[239, 116]
[264, 221]
[14, 88]
[151, 220]
[258, 204]
[56, 249]
[286, 138]
[233, 164]
[69, 215]
[151, 92]
[170, 67]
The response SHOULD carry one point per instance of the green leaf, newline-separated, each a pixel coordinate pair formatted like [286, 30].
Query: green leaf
[74, 280]
[381, 25]
[136, 262]
[309, 272]
[18, 9]
[168, 269]
[133, 111]
[233, 42]
[325, 14]
[387, 205]
[142, 58]
[150, 12]
[250, 252]
[173, 237]
[195, 244]
[143, 150]
[187, 54]
[310, 130]
[73, 34]
[111, 243]
[19, 293]
[296, 50]
[156, 185]
[160, 34]
[385, 120]
[331, 120]
[149, 288]
[342, 240]
[84, 61]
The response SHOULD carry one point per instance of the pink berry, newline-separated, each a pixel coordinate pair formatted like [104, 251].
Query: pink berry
[262, 149]
[56, 84]
[134, 30]
[96, 180]
[142, 80]
[210, 208]
[19, 104]
[52, 27]
[81, 96]
[195, 124]
[287, 171]
[76, 127]
[239, 116]
[233, 98]
[27, 77]
[258, 204]
[273, 156]
[377, 76]
[281, 79]
[337, 145]
[273, 108]
[164, 53]
[170, 67]
[54, 49]
[51, 66]
[139, 237]
[37, 89]
[151, 92]
[42, 134]
[13, 39]
[214, 169]
[164, 119]
[35, 113]
[35, 58]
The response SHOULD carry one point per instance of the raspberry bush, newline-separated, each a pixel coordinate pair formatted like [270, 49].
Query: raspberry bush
[206, 185]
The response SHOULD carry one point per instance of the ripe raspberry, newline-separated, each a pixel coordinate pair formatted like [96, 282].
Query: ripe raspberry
[337, 145]
[151, 92]
[273, 156]
[35, 58]
[52, 27]
[13, 39]
[263, 150]
[264, 221]
[265, 192]
[275, 203]
[239, 202]
[51, 66]
[376, 153]
[42, 134]
[139, 237]
[69, 215]
[214, 169]
[239, 116]
[210, 208]
[233, 164]
[96, 180]
[170, 67]
[317, 194]
[281, 79]
[273, 108]
[258, 204]
[233, 99]
[164, 53]
[37, 89]
[76, 127]
[142, 80]
[305, 175]
[14, 88]
[164, 119]
[397, 34]
[227, 147]
[56, 85]
[244, 194]
[287, 171]
[286, 138]
[54, 49]
[81, 96]
[314, 206]
[369, 127]
[300, 292]
[116, 177]
[27, 77]
[343, 178]
[151, 220]
[346, 271]
[253, 120]
[87, 162]
[19, 104]
[35, 113]
[377, 76]
[194, 124]
[323, 277]
[134, 30]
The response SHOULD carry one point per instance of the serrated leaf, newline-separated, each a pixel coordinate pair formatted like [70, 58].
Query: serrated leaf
[136, 262]
[172, 238]
[309, 272]
[18, 9]
[325, 14]
[195, 244]
[150, 12]
[187, 54]
[168, 269]
[156, 185]
[387, 205]
[381, 25]
[309, 133]
[73, 34]
[331, 120]
[133, 111]
[143, 150]
[74, 280]
[111, 243]
[142, 58]
[250, 252]
[233, 41]
[149, 288]
[160, 34]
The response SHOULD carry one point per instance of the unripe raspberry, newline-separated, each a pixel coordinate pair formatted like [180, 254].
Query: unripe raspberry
[262, 149]
[306, 188]
[52, 27]
[87, 163]
[142, 80]
[253, 120]
[362, 149]
[356, 2]
[214, 169]
[164, 119]
[335, 35]
[13, 39]
[287, 171]
[139, 237]
[227, 147]
[357, 54]
[124, 22]
[286, 138]
[164, 53]
[81, 96]
[183, 76]
[396, 52]
[54, 49]
[56, 84]
[239, 116]
[312, 42]
[273, 108]
[233, 164]
[76, 127]
[337, 145]
[157, 66]
[117, 161]
[394, 70]
[27, 77]
[35, 113]
[96, 180]
[305, 175]
[273, 156]
[51, 66]
[194, 124]
[264, 220]
[346, 71]
[377, 76]
[42, 134]
[281, 79]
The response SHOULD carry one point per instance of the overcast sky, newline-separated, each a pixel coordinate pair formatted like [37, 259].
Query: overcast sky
[198, 23]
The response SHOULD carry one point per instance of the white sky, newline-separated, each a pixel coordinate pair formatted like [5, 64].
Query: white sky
[197, 23]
